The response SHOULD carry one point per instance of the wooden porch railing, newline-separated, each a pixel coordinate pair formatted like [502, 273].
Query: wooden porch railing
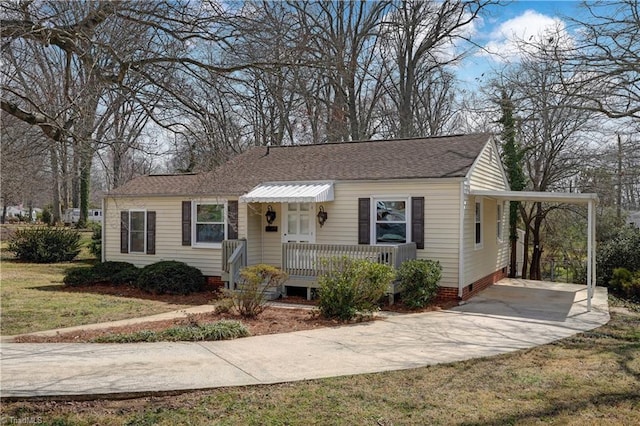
[234, 258]
[302, 259]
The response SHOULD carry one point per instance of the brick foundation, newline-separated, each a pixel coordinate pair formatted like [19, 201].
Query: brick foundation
[451, 293]
[214, 282]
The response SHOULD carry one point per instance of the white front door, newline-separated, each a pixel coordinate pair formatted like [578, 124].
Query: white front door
[299, 226]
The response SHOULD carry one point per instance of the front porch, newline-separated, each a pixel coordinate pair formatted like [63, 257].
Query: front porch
[305, 262]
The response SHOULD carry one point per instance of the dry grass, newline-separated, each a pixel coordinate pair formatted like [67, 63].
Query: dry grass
[589, 379]
[33, 298]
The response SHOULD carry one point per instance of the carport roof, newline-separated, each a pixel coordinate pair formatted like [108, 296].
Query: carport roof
[550, 197]
[559, 197]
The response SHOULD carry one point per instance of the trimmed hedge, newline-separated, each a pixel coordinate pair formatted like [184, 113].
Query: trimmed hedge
[170, 277]
[45, 244]
[126, 276]
[75, 277]
[419, 279]
[114, 272]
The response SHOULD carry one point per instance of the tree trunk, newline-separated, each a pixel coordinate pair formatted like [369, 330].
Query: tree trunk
[525, 259]
[85, 178]
[513, 238]
[536, 258]
[55, 181]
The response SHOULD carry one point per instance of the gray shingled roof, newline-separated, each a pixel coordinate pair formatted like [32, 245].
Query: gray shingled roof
[434, 157]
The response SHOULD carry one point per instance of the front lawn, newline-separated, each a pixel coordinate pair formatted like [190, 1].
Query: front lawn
[33, 299]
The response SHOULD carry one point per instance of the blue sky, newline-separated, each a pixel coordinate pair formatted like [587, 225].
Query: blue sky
[498, 30]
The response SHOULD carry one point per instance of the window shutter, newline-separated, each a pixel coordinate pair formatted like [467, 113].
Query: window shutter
[186, 223]
[151, 232]
[364, 221]
[232, 220]
[124, 231]
[417, 221]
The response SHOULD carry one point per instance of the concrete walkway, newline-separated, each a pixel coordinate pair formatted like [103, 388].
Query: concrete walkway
[512, 315]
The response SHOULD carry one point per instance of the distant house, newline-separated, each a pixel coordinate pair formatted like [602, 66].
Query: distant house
[634, 219]
[22, 213]
[72, 216]
[291, 206]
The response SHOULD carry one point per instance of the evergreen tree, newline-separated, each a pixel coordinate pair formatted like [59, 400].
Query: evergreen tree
[512, 159]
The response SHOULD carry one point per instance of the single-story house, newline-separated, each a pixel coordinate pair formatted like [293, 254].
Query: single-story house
[292, 206]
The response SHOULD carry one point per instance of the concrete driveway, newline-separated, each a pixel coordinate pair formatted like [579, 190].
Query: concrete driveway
[511, 315]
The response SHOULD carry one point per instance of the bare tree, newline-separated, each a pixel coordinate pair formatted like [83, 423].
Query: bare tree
[103, 46]
[420, 42]
[607, 58]
[343, 43]
[23, 164]
[550, 129]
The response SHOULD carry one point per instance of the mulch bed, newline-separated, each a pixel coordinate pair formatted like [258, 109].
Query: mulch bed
[280, 318]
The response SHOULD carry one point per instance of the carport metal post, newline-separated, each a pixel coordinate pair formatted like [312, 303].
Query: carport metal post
[591, 252]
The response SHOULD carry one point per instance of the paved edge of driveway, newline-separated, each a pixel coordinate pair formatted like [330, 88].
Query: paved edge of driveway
[504, 318]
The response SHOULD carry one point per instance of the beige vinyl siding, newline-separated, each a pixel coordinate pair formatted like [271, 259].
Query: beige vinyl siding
[252, 232]
[271, 244]
[494, 254]
[441, 217]
[168, 235]
[487, 171]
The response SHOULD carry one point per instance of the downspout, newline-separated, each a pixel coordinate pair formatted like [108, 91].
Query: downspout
[461, 242]
[103, 251]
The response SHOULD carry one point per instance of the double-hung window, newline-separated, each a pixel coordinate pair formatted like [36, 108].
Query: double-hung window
[138, 231]
[478, 224]
[209, 223]
[391, 221]
[137, 228]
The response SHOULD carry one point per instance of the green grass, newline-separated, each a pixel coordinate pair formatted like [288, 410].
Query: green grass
[33, 298]
[589, 379]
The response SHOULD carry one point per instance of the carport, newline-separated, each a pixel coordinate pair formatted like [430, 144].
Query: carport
[565, 198]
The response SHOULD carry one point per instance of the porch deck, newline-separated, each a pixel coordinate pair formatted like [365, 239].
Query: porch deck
[305, 263]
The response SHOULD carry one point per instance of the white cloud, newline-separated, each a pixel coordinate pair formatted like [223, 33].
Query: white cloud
[509, 39]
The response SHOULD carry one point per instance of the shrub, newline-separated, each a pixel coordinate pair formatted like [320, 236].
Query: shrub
[126, 276]
[350, 286]
[221, 330]
[47, 217]
[95, 245]
[622, 251]
[79, 276]
[224, 305]
[419, 280]
[170, 277]
[107, 270]
[625, 283]
[114, 272]
[249, 299]
[45, 244]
